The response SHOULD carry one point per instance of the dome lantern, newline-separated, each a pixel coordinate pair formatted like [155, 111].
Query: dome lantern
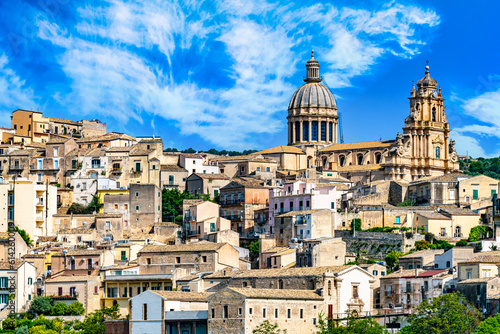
[312, 67]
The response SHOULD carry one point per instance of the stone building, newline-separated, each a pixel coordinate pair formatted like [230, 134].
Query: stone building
[173, 177]
[109, 226]
[200, 256]
[84, 289]
[304, 225]
[145, 205]
[81, 262]
[342, 288]
[484, 264]
[210, 184]
[481, 292]
[321, 252]
[423, 259]
[241, 310]
[239, 199]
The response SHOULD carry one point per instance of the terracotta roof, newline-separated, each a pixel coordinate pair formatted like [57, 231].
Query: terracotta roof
[95, 152]
[137, 151]
[404, 273]
[359, 168]
[80, 252]
[296, 213]
[285, 252]
[275, 249]
[58, 140]
[426, 252]
[245, 183]
[484, 257]
[167, 224]
[195, 247]
[212, 176]
[62, 120]
[288, 272]
[22, 152]
[451, 177]
[477, 280]
[189, 277]
[191, 155]
[108, 215]
[433, 215]
[454, 210]
[281, 149]
[77, 230]
[151, 140]
[173, 168]
[76, 278]
[107, 137]
[183, 296]
[277, 293]
[430, 273]
[120, 149]
[360, 145]
[8, 266]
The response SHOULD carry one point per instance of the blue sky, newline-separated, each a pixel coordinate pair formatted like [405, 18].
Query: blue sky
[220, 74]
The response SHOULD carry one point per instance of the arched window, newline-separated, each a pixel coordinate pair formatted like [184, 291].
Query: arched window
[458, 232]
[329, 288]
[438, 152]
[280, 284]
[342, 161]
[360, 159]
[434, 114]
[325, 162]
[378, 158]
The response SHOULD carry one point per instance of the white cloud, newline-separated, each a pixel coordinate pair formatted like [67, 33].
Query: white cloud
[14, 92]
[485, 109]
[105, 56]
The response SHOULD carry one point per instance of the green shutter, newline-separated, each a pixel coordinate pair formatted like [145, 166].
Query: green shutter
[124, 255]
[475, 194]
[397, 220]
[212, 227]
[493, 192]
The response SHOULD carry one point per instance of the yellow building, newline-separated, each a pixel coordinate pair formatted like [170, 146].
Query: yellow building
[448, 221]
[102, 193]
[31, 124]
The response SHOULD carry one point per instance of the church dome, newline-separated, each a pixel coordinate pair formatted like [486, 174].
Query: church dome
[312, 94]
[427, 81]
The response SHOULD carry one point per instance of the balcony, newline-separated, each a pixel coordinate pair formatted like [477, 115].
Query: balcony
[422, 199]
[116, 171]
[234, 217]
[300, 222]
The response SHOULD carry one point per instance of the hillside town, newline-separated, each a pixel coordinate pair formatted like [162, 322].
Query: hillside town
[162, 241]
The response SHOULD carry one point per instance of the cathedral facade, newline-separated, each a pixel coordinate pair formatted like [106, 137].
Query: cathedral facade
[423, 149]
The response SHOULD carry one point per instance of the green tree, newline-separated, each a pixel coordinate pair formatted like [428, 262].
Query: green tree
[172, 200]
[407, 203]
[421, 245]
[392, 259]
[461, 243]
[9, 323]
[489, 326]
[75, 308]
[254, 247]
[446, 314]
[356, 224]
[352, 325]
[59, 309]
[42, 305]
[94, 322]
[479, 232]
[268, 328]
[24, 235]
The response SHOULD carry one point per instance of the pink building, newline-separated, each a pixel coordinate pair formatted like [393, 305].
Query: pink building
[300, 196]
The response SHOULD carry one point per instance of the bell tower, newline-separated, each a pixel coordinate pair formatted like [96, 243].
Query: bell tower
[426, 133]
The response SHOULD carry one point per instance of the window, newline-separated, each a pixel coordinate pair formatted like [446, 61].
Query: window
[493, 192]
[96, 289]
[438, 152]
[96, 163]
[30, 280]
[250, 310]
[56, 151]
[314, 131]
[355, 291]
[204, 259]
[360, 159]
[276, 313]
[137, 166]
[375, 273]
[125, 206]
[268, 169]
[148, 260]
[84, 185]
[213, 313]
[56, 164]
[178, 260]
[136, 194]
[448, 264]
[398, 221]
[144, 311]
[263, 312]
[469, 274]
[314, 321]
[475, 194]
[137, 208]
[240, 311]
[72, 291]
[452, 193]
[123, 255]
[301, 313]
[289, 313]
[225, 311]
[305, 131]
[323, 131]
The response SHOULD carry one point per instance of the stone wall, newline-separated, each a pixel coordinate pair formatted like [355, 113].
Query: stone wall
[116, 327]
[377, 244]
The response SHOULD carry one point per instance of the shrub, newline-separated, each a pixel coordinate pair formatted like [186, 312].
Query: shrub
[422, 244]
[42, 305]
[76, 308]
[429, 237]
[60, 309]
[461, 243]
[9, 323]
[409, 235]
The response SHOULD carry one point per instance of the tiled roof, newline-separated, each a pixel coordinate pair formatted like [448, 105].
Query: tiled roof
[107, 137]
[76, 278]
[195, 247]
[172, 168]
[451, 177]
[166, 224]
[191, 155]
[57, 140]
[62, 120]
[359, 168]
[434, 215]
[95, 152]
[137, 151]
[120, 149]
[485, 257]
[22, 152]
[77, 230]
[246, 183]
[281, 149]
[183, 296]
[476, 280]
[422, 253]
[4, 265]
[288, 272]
[151, 140]
[108, 215]
[404, 273]
[430, 273]
[360, 145]
[277, 293]
[275, 249]
[454, 210]
[296, 213]
[189, 277]
[80, 252]
[285, 252]
[212, 176]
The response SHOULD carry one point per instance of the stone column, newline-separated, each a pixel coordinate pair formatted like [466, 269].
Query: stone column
[294, 130]
[445, 148]
[310, 130]
[327, 131]
[178, 327]
[429, 145]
